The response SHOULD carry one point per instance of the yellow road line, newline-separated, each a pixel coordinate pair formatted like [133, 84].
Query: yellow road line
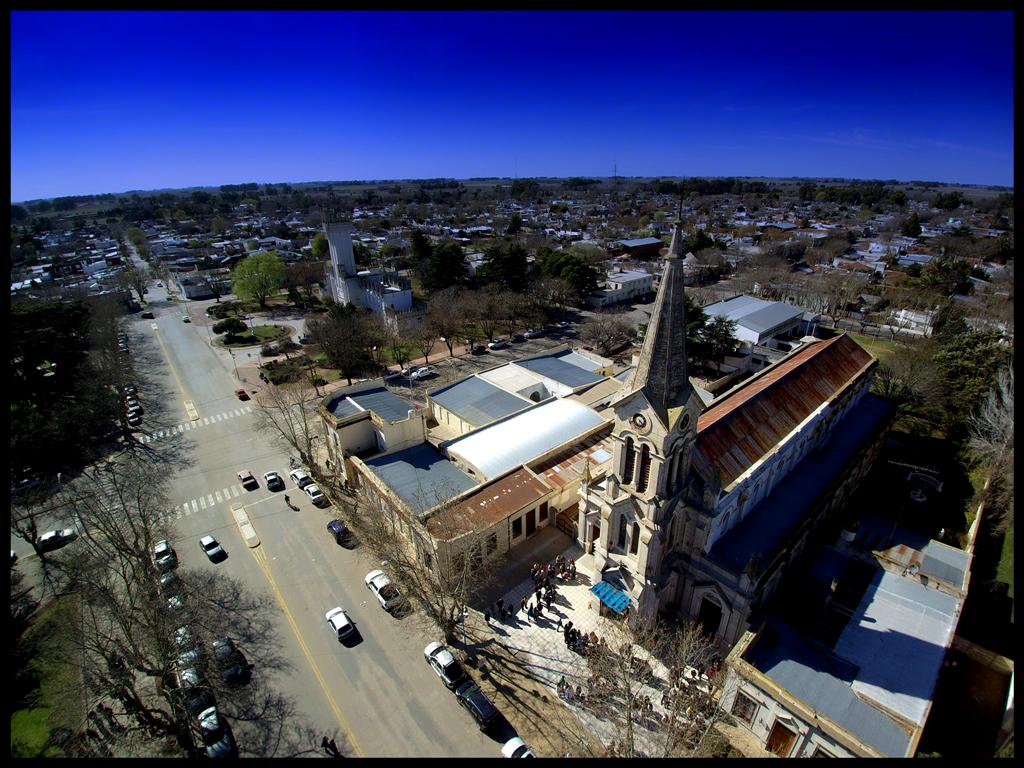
[261, 560]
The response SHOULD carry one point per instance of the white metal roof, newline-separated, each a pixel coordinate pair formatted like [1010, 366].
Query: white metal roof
[500, 447]
[511, 378]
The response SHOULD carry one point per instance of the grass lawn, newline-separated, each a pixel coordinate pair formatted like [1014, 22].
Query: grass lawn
[883, 349]
[30, 733]
[260, 335]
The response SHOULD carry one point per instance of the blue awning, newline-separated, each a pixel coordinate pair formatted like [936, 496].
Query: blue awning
[614, 598]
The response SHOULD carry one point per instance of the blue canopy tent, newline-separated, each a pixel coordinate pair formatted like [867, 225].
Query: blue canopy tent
[614, 598]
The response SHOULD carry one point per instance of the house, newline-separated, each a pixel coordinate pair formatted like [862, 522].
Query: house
[913, 321]
[622, 285]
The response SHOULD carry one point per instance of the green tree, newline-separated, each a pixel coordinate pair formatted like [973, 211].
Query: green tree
[912, 226]
[968, 362]
[571, 267]
[231, 326]
[719, 337]
[421, 247]
[320, 247]
[505, 267]
[259, 276]
[445, 267]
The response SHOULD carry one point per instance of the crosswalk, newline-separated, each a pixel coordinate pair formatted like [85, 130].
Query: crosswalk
[205, 502]
[187, 426]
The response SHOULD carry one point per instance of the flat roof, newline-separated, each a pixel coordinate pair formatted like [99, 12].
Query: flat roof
[503, 446]
[511, 378]
[378, 399]
[641, 241]
[566, 368]
[754, 314]
[478, 401]
[421, 476]
[489, 505]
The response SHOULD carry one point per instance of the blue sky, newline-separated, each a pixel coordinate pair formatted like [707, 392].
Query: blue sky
[107, 102]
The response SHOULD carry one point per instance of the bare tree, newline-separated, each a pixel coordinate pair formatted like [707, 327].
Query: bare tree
[554, 292]
[657, 687]
[288, 412]
[991, 430]
[606, 332]
[134, 278]
[425, 336]
[484, 308]
[214, 285]
[306, 275]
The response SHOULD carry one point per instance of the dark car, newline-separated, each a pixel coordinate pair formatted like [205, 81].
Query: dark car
[234, 668]
[518, 338]
[477, 704]
[479, 349]
[198, 700]
[339, 530]
[147, 315]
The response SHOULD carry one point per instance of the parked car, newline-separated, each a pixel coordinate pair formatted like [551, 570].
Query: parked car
[188, 679]
[198, 700]
[186, 319]
[387, 595]
[248, 481]
[518, 338]
[339, 622]
[339, 530]
[477, 704]
[134, 419]
[479, 349]
[170, 584]
[516, 747]
[424, 372]
[241, 394]
[315, 494]
[498, 344]
[234, 668]
[212, 548]
[216, 735]
[305, 339]
[176, 603]
[129, 389]
[159, 285]
[147, 315]
[300, 477]
[563, 324]
[444, 664]
[274, 481]
[164, 556]
[52, 540]
[534, 333]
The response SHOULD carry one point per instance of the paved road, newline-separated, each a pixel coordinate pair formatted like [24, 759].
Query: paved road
[379, 692]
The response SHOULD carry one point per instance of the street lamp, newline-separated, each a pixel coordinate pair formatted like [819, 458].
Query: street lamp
[232, 353]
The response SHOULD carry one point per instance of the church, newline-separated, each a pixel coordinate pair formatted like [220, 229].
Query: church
[690, 509]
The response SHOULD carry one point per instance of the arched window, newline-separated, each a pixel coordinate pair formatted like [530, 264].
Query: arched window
[627, 473]
[634, 543]
[622, 532]
[645, 468]
[670, 477]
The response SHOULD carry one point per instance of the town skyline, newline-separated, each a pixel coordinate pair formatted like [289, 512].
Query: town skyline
[192, 100]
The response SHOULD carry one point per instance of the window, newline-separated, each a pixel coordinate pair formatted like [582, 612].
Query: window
[645, 468]
[622, 532]
[517, 527]
[819, 752]
[627, 473]
[634, 543]
[492, 543]
[744, 707]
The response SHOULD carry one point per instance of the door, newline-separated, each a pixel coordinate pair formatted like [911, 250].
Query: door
[710, 616]
[595, 534]
[780, 740]
[531, 522]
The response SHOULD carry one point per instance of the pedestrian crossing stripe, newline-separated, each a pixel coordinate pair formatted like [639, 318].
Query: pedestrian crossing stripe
[179, 429]
[208, 501]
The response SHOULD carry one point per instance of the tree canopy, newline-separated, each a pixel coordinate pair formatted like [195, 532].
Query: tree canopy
[259, 276]
[443, 268]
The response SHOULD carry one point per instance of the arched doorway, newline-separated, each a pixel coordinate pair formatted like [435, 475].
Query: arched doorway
[709, 616]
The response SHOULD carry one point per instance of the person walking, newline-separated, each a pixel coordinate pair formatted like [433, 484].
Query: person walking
[522, 604]
[487, 616]
[325, 746]
[559, 625]
[548, 600]
[501, 604]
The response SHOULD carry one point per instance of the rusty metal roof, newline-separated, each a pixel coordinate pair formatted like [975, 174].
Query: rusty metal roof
[567, 466]
[740, 429]
[489, 505]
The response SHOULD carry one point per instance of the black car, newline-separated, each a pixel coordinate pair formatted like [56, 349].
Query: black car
[480, 349]
[339, 530]
[518, 338]
[477, 704]
[234, 668]
[198, 700]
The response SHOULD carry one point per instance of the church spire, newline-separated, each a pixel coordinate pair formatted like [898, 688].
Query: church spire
[661, 374]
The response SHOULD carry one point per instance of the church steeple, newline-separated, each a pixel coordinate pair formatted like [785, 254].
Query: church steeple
[661, 374]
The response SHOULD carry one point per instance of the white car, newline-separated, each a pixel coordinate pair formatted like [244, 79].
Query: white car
[385, 592]
[340, 622]
[300, 477]
[516, 747]
[164, 555]
[273, 481]
[212, 548]
[499, 344]
[425, 372]
[315, 494]
[444, 664]
[56, 539]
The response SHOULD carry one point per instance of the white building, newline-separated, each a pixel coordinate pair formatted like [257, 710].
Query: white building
[375, 290]
[622, 285]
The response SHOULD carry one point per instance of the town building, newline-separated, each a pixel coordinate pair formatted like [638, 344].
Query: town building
[376, 290]
[621, 286]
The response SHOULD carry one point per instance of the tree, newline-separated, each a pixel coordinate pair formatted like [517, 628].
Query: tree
[306, 275]
[446, 316]
[969, 362]
[554, 293]
[259, 276]
[214, 285]
[399, 343]
[424, 334]
[444, 268]
[134, 278]
[484, 309]
[288, 412]
[911, 381]
[505, 267]
[421, 247]
[606, 332]
[719, 338]
[912, 226]
[232, 326]
[338, 334]
[219, 225]
[991, 440]
[571, 267]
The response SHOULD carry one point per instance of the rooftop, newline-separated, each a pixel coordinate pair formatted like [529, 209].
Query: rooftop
[478, 401]
[495, 449]
[568, 368]
[754, 314]
[567, 466]
[378, 399]
[489, 505]
[421, 476]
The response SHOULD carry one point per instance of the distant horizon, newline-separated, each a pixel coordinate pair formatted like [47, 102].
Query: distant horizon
[139, 101]
[742, 176]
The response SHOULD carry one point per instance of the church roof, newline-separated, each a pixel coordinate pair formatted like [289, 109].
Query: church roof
[740, 429]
